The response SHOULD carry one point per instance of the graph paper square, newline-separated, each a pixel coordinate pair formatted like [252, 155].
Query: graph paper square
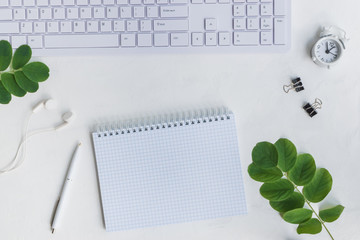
[170, 175]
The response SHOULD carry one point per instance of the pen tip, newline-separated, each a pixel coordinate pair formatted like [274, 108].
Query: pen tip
[52, 231]
[79, 144]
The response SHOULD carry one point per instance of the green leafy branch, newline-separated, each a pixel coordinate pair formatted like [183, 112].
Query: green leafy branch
[21, 77]
[283, 172]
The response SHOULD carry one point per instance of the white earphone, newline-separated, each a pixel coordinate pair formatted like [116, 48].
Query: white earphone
[48, 104]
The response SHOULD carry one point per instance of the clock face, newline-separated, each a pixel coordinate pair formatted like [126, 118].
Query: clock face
[328, 50]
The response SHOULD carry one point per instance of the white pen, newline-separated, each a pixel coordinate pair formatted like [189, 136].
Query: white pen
[64, 190]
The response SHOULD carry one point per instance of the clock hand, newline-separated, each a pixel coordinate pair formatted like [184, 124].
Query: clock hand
[333, 54]
[327, 47]
[331, 49]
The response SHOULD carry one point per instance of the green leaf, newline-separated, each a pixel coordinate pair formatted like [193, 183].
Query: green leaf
[264, 174]
[36, 71]
[11, 86]
[5, 54]
[331, 214]
[277, 191]
[319, 187]
[265, 155]
[298, 215]
[304, 170]
[21, 57]
[296, 200]
[313, 226]
[5, 96]
[287, 154]
[25, 83]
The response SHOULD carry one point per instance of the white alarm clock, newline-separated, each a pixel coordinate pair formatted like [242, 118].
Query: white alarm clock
[329, 49]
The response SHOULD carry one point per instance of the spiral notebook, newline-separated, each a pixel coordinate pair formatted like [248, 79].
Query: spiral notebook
[172, 169]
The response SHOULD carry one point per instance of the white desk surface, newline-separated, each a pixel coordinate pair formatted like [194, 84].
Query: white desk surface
[249, 84]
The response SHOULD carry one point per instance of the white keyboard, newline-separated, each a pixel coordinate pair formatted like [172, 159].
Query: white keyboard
[53, 27]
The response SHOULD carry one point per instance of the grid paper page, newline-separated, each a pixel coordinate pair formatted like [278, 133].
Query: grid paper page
[170, 175]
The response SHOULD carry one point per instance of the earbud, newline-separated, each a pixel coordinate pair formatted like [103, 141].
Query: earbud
[67, 117]
[48, 104]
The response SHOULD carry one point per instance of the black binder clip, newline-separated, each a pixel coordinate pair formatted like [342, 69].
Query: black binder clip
[296, 85]
[311, 109]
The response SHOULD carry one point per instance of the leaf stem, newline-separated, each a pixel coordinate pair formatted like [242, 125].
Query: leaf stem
[308, 203]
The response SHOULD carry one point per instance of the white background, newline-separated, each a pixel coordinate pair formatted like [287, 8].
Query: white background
[98, 87]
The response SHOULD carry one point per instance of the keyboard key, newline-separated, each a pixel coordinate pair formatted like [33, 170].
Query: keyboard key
[239, 10]
[99, 12]
[6, 14]
[132, 26]
[17, 41]
[112, 12]
[16, 3]
[152, 12]
[39, 27]
[81, 41]
[55, 2]
[210, 1]
[179, 39]
[85, 13]
[19, 14]
[161, 39]
[139, 12]
[239, 24]
[146, 2]
[145, 25]
[95, 2]
[45, 13]
[179, 1]
[82, 2]
[119, 26]
[171, 25]
[246, 38]
[32, 13]
[224, 38]
[224, 1]
[210, 24]
[239, 1]
[266, 23]
[210, 39]
[4, 3]
[72, 13]
[144, 40]
[135, 2]
[9, 27]
[252, 23]
[252, 1]
[197, 39]
[105, 26]
[174, 11]
[127, 40]
[266, 38]
[161, 1]
[26, 27]
[252, 10]
[69, 2]
[266, 9]
[279, 7]
[40, 3]
[52, 27]
[29, 3]
[66, 27]
[122, 2]
[279, 31]
[59, 13]
[79, 26]
[35, 41]
[108, 2]
[92, 26]
[197, 1]
[125, 12]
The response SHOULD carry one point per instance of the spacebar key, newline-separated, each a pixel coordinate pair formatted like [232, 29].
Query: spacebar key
[81, 41]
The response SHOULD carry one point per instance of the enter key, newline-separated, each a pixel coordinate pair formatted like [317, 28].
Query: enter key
[174, 11]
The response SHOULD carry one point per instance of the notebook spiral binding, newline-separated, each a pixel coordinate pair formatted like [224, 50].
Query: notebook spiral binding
[170, 120]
